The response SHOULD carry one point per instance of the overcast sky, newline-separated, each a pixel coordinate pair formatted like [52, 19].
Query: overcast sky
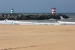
[37, 6]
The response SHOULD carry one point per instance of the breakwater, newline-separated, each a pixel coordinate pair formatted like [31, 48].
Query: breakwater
[31, 16]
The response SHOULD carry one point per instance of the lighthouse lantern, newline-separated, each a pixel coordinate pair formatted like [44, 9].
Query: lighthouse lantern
[12, 11]
[53, 10]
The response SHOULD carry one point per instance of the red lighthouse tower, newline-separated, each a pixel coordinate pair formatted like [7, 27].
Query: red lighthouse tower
[53, 10]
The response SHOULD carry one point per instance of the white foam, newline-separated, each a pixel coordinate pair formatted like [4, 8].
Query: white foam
[66, 23]
[35, 23]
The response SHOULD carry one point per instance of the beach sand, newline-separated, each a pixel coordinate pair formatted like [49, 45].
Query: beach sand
[37, 37]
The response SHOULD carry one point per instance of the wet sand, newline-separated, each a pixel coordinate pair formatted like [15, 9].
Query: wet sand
[37, 37]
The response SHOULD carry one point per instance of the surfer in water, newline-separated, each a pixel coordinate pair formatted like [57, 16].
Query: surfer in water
[12, 23]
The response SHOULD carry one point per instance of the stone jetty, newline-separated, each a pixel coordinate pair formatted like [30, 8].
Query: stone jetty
[17, 16]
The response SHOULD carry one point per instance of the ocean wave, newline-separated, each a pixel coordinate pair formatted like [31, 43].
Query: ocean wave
[13, 22]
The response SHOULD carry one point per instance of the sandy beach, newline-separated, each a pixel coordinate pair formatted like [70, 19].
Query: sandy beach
[37, 37]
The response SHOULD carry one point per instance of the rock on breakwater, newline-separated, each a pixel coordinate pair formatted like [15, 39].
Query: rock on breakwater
[31, 16]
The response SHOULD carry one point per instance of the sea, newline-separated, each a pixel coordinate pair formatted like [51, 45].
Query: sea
[72, 17]
[70, 21]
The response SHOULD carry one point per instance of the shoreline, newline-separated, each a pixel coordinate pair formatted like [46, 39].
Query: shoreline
[13, 22]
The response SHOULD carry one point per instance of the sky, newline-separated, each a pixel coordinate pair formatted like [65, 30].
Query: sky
[37, 6]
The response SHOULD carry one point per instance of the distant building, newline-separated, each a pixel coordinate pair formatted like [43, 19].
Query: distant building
[53, 10]
[12, 11]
